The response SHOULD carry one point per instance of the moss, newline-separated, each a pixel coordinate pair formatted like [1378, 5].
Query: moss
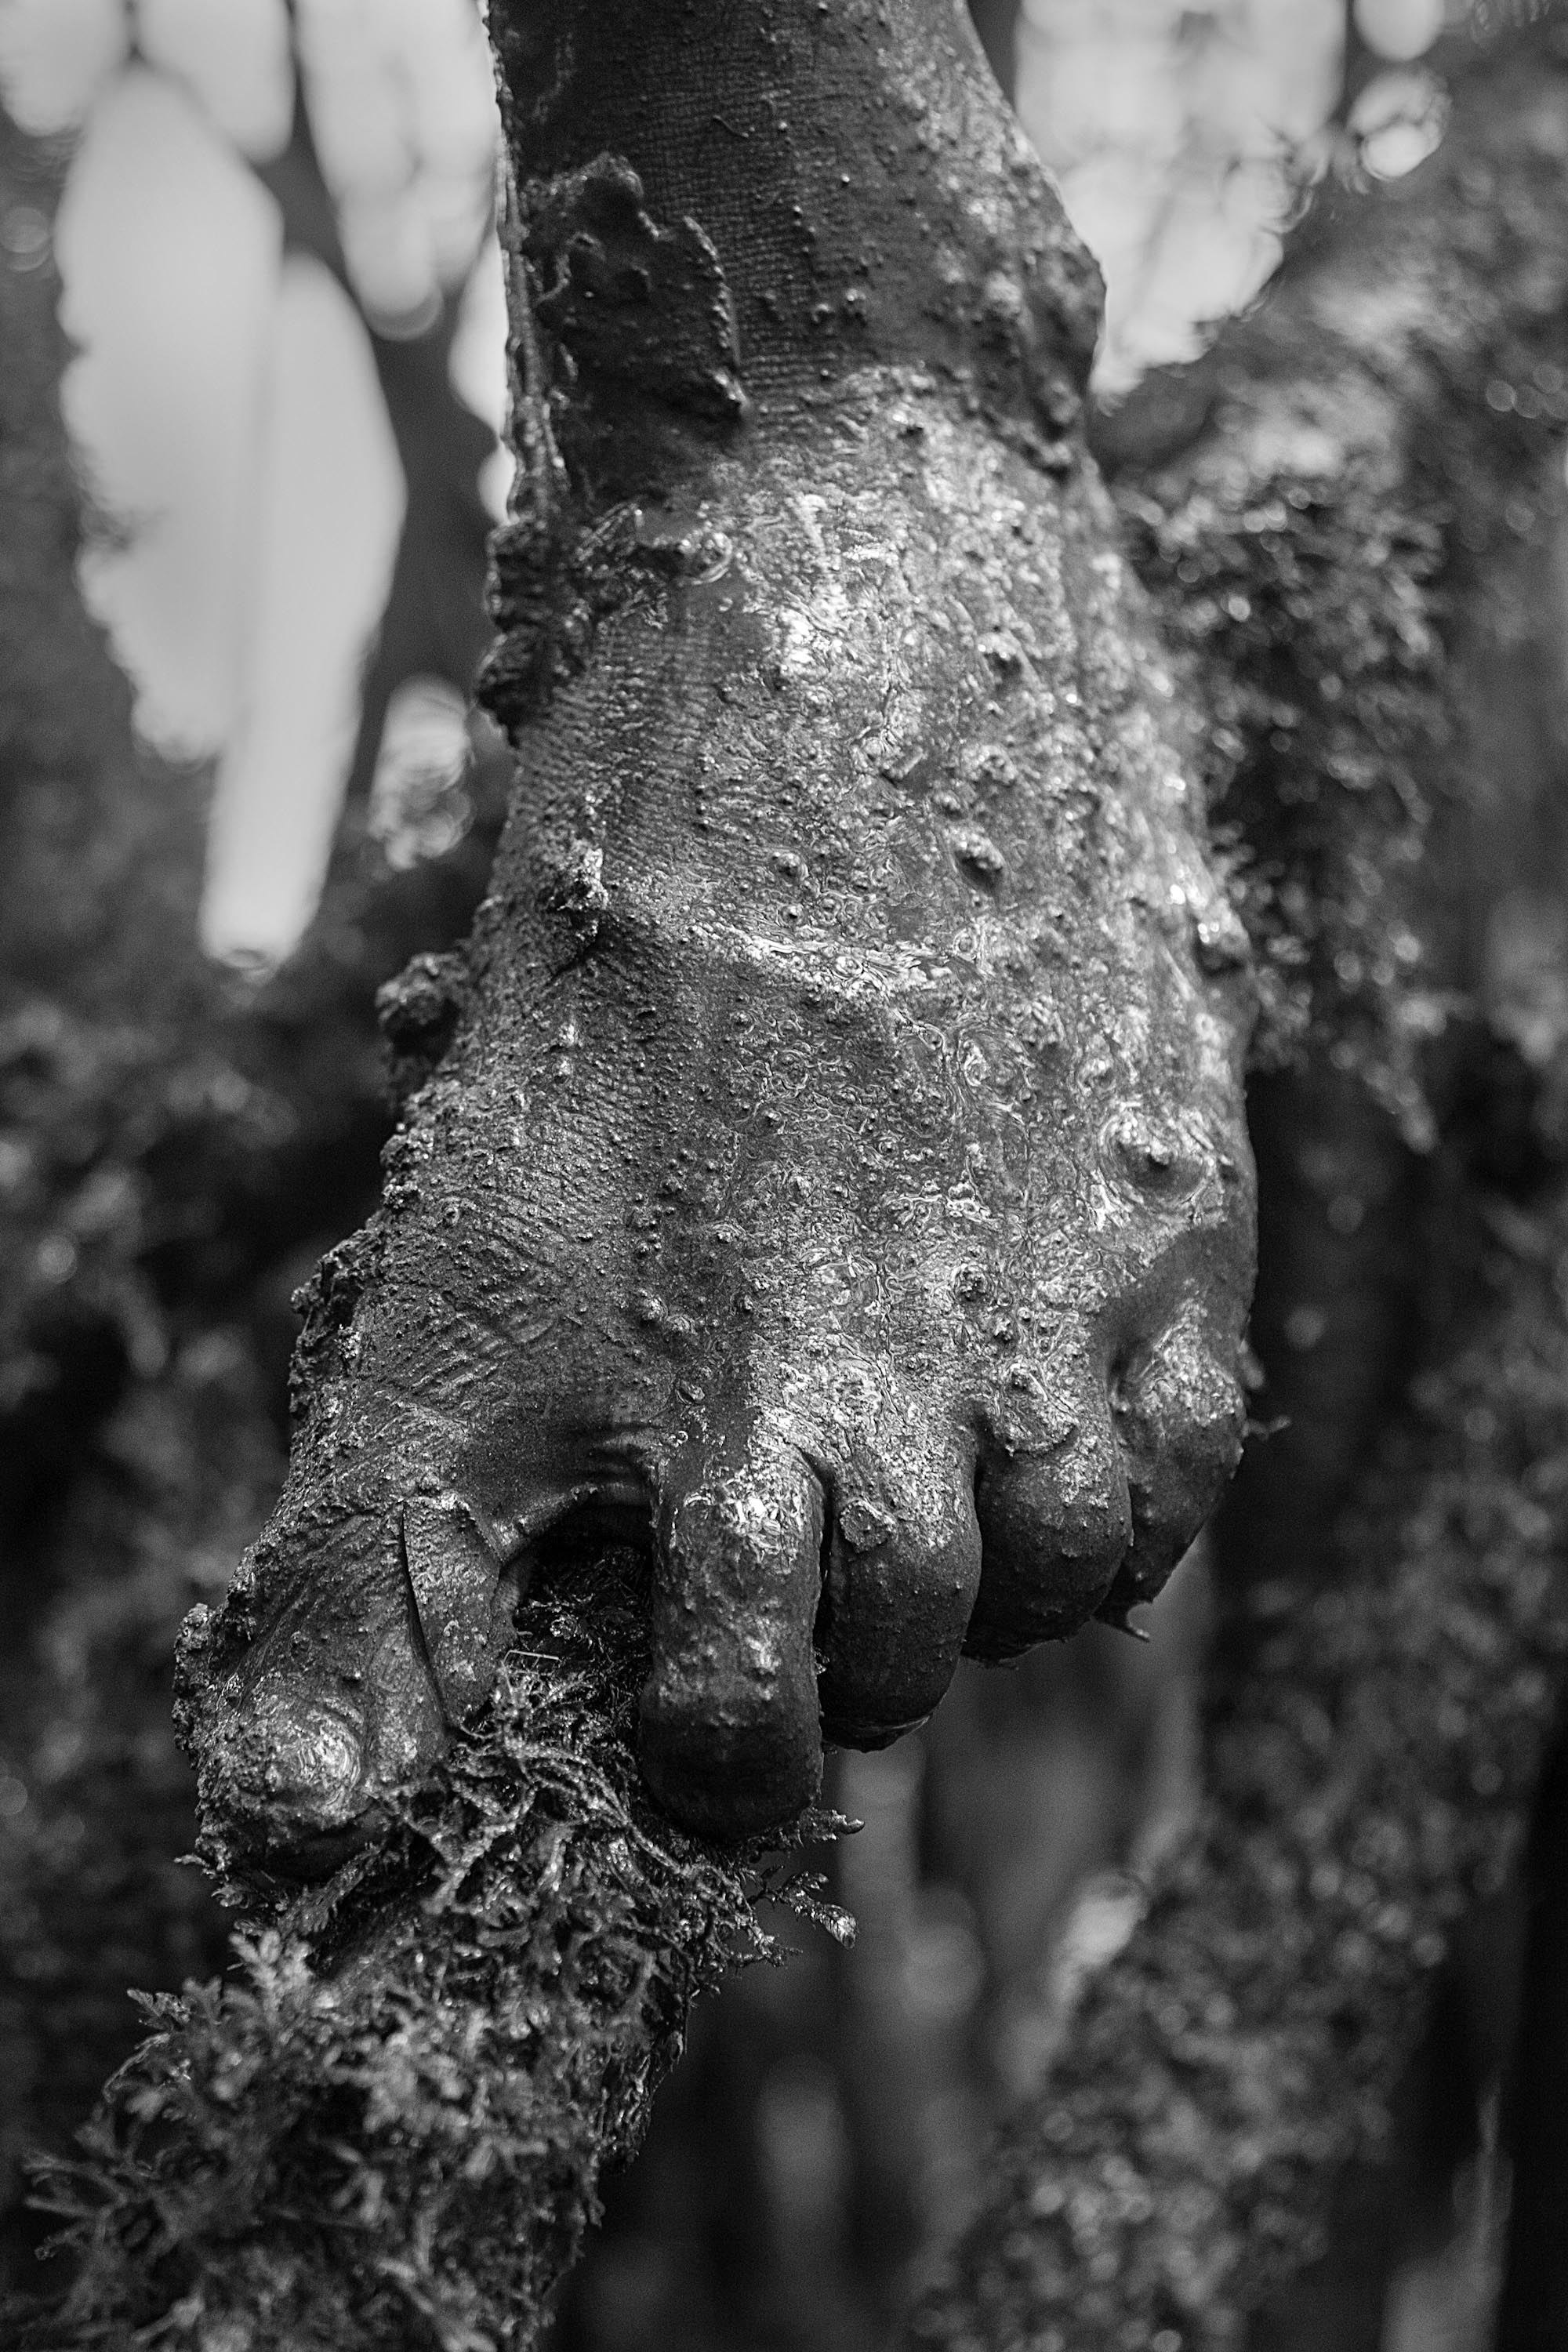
[385, 2127]
[1332, 510]
[1309, 615]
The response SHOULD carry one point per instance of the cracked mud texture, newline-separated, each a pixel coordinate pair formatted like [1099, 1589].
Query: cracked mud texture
[833, 1177]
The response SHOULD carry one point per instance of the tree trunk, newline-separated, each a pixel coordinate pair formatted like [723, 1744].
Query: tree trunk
[1352, 512]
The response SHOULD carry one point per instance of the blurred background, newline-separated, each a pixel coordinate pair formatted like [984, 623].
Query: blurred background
[283, 289]
[281, 278]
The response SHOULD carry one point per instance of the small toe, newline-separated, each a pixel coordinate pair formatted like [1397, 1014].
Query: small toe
[1180, 1416]
[903, 1569]
[1054, 1520]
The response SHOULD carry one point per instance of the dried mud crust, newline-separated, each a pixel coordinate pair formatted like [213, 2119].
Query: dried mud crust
[836, 1169]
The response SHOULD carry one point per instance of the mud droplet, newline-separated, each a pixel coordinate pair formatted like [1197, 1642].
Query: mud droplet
[1155, 1157]
[862, 1526]
[991, 767]
[1041, 1030]
[979, 856]
[657, 1317]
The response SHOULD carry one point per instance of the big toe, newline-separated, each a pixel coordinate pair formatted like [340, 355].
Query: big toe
[328, 1711]
[296, 1763]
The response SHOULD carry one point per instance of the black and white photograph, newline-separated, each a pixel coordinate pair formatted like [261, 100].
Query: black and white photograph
[783, 1175]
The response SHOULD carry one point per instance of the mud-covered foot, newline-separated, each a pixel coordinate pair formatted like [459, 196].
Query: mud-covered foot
[831, 1165]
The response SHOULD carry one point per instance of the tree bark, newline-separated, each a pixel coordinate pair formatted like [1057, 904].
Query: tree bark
[385, 2129]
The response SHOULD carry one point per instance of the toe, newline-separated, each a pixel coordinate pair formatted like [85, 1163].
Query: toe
[1055, 1514]
[903, 1569]
[1179, 1416]
[727, 1734]
[332, 1706]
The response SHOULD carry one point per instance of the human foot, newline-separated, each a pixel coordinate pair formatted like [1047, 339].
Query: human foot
[833, 1161]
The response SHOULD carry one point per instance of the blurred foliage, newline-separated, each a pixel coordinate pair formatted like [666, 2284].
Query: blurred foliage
[272, 225]
[1187, 135]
